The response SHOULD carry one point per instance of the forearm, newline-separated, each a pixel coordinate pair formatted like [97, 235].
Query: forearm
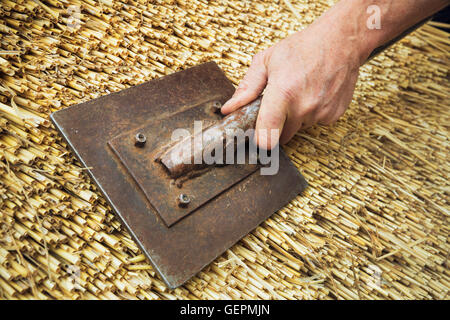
[352, 22]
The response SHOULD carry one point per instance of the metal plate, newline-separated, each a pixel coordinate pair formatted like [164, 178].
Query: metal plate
[153, 178]
[179, 252]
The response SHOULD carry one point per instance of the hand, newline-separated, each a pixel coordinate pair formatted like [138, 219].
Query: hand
[308, 78]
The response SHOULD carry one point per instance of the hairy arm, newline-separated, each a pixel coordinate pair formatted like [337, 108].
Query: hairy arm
[310, 76]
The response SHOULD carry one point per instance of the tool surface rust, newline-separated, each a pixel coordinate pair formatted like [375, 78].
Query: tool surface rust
[181, 228]
[219, 135]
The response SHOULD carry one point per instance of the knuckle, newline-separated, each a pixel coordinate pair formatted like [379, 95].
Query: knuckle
[310, 107]
[299, 82]
[326, 122]
[272, 121]
[337, 116]
[288, 93]
[315, 103]
[305, 109]
[327, 118]
[323, 113]
[333, 120]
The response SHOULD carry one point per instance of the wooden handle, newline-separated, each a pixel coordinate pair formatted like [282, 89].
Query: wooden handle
[179, 161]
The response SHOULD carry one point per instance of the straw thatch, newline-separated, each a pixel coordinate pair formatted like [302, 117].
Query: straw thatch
[374, 222]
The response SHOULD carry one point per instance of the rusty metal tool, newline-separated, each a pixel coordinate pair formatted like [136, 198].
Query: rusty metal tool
[180, 227]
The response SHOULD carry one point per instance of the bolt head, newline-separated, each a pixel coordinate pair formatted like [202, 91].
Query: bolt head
[183, 200]
[140, 139]
[215, 107]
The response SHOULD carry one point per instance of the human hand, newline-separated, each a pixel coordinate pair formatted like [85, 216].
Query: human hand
[308, 78]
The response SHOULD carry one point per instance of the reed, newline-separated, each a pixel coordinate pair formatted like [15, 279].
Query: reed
[374, 222]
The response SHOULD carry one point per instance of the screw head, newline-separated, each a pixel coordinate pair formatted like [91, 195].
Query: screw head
[140, 139]
[183, 200]
[215, 107]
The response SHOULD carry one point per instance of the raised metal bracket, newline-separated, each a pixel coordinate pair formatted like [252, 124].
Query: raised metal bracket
[162, 192]
[177, 245]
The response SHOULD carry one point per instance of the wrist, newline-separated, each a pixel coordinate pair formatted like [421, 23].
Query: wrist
[346, 24]
[361, 26]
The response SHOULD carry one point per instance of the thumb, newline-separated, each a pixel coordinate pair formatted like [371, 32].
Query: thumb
[271, 117]
[250, 87]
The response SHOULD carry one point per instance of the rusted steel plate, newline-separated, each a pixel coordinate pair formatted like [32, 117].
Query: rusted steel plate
[153, 178]
[180, 251]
